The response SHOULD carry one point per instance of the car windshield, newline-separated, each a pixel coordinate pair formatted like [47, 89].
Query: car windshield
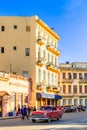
[46, 108]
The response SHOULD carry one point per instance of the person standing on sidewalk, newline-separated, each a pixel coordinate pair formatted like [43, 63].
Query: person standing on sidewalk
[29, 110]
[22, 112]
[25, 112]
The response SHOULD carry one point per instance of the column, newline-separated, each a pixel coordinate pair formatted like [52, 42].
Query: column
[72, 101]
[16, 100]
[78, 101]
[72, 89]
[77, 89]
[83, 101]
[66, 88]
[83, 88]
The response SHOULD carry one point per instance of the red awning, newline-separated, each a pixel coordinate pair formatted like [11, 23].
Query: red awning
[3, 93]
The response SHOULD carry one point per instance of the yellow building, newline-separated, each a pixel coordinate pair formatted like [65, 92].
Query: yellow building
[29, 47]
[73, 82]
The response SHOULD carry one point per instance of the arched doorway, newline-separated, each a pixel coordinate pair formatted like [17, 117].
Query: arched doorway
[0, 106]
[3, 101]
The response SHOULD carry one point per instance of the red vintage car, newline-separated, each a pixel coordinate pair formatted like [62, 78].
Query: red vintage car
[46, 113]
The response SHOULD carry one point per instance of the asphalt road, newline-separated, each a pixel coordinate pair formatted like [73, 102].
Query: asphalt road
[70, 121]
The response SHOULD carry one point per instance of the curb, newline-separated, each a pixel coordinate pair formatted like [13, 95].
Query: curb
[8, 117]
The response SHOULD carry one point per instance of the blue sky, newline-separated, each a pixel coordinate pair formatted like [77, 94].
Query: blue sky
[67, 17]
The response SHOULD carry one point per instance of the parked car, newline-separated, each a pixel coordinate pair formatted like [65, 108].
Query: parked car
[70, 108]
[46, 113]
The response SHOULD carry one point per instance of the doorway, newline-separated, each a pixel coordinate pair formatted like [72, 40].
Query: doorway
[48, 102]
[0, 106]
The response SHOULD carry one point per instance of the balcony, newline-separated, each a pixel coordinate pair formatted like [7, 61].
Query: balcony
[40, 42]
[55, 88]
[67, 81]
[56, 70]
[53, 50]
[49, 88]
[49, 66]
[82, 81]
[56, 52]
[67, 94]
[41, 61]
[52, 68]
[74, 95]
[40, 87]
[50, 48]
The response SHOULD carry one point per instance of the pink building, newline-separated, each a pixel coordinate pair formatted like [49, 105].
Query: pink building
[14, 91]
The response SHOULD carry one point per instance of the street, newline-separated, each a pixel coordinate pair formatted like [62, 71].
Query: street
[70, 121]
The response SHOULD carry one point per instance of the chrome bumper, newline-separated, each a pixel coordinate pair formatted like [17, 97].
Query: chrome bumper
[38, 119]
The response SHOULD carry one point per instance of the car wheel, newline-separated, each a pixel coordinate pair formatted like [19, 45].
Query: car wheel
[33, 121]
[49, 119]
[57, 118]
[60, 117]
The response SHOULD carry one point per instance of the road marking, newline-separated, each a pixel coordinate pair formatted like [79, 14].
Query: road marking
[43, 127]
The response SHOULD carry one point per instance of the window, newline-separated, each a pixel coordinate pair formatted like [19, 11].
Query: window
[27, 51]
[64, 76]
[26, 99]
[64, 101]
[15, 26]
[48, 57]
[74, 76]
[85, 89]
[69, 88]
[44, 75]
[81, 102]
[75, 89]
[28, 28]
[55, 62]
[48, 77]
[75, 102]
[2, 49]
[69, 76]
[25, 74]
[69, 101]
[13, 98]
[20, 99]
[85, 102]
[2, 28]
[14, 73]
[80, 89]
[80, 76]
[39, 75]
[85, 75]
[52, 59]
[64, 88]
[44, 53]
[14, 48]
[39, 53]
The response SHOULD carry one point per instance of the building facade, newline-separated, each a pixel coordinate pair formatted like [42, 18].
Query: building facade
[29, 47]
[14, 92]
[73, 82]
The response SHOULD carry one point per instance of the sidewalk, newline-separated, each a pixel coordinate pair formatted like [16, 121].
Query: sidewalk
[8, 117]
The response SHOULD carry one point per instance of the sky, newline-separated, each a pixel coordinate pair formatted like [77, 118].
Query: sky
[67, 17]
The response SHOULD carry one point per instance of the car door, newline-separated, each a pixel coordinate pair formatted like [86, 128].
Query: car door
[54, 113]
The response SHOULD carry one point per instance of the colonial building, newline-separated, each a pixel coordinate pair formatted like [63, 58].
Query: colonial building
[73, 82]
[29, 47]
[14, 92]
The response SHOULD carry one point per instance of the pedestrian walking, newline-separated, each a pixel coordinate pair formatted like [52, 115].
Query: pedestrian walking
[34, 109]
[25, 112]
[29, 111]
[22, 112]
